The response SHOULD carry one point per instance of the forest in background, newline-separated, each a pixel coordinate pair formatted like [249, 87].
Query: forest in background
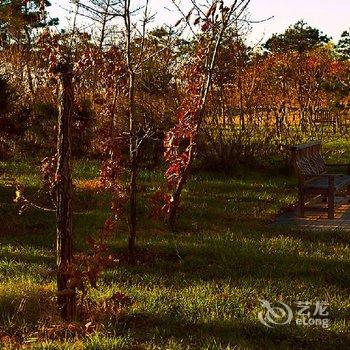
[292, 88]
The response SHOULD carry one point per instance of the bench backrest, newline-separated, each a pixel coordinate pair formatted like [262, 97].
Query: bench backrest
[307, 159]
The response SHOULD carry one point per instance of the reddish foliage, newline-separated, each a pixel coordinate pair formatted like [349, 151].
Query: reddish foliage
[161, 204]
[312, 62]
[121, 299]
[48, 168]
[181, 138]
[87, 267]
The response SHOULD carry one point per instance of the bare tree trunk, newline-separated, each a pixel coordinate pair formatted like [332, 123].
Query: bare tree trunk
[133, 174]
[172, 216]
[66, 296]
[27, 62]
[133, 149]
[241, 111]
[104, 23]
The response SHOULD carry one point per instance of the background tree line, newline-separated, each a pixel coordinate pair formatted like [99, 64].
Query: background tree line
[258, 95]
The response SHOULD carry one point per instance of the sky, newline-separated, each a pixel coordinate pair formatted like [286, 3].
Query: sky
[332, 17]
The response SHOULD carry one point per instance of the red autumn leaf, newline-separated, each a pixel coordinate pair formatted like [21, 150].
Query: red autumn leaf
[121, 298]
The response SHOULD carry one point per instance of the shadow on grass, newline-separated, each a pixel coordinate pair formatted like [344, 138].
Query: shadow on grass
[233, 260]
[219, 334]
[312, 236]
[23, 305]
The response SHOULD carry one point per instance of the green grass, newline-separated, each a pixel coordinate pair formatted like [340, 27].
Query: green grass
[199, 289]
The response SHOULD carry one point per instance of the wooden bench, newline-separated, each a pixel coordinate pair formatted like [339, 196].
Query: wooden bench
[315, 181]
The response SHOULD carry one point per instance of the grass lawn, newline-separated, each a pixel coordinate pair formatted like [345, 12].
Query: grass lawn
[199, 289]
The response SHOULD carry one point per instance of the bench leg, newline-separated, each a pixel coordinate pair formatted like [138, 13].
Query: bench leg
[331, 207]
[331, 203]
[301, 203]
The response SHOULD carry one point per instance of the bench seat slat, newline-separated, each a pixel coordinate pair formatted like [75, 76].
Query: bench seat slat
[340, 181]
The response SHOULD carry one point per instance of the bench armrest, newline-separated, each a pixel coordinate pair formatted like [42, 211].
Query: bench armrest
[330, 177]
[321, 175]
[340, 165]
[332, 164]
